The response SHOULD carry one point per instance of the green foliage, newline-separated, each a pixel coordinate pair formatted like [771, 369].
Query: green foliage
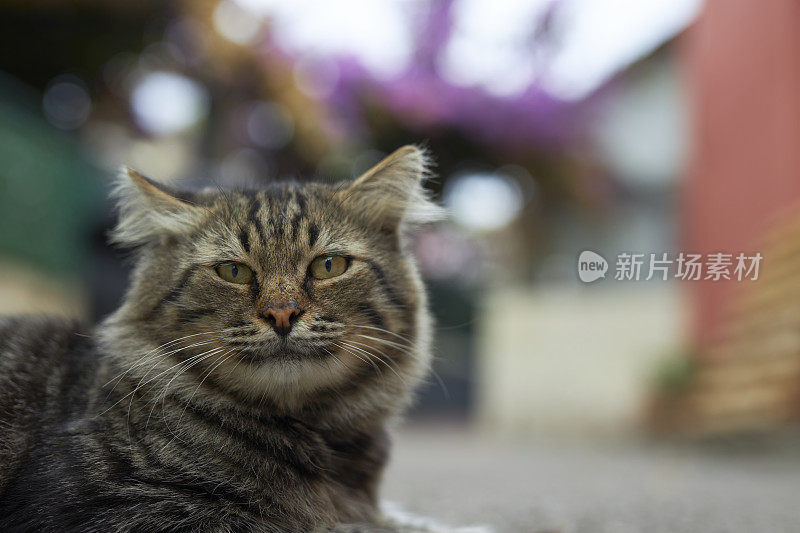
[674, 372]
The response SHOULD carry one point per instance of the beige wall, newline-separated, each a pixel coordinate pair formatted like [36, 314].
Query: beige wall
[566, 361]
[25, 290]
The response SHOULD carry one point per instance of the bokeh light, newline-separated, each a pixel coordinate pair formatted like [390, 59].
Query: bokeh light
[380, 34]
[483, 201]
[166, 102]
[269, 125]
[66, 102]
[236, 24]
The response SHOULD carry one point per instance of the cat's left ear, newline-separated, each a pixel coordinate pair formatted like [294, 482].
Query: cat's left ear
[149, 211]
[391, 194]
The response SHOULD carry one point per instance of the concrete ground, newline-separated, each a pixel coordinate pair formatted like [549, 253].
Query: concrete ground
[462, 478]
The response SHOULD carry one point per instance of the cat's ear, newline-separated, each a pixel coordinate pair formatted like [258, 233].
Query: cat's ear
[391, 194]
[149, 211]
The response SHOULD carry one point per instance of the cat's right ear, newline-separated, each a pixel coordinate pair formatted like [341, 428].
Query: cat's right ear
[149, 211]
[391, 194]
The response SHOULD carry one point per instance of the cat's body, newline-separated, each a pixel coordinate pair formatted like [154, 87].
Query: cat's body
[219, 465]
[249, 380]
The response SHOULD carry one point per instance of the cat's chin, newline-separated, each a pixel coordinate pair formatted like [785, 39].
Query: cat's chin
[285, 374]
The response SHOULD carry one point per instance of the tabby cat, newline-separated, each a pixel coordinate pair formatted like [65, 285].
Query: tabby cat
[267, 342]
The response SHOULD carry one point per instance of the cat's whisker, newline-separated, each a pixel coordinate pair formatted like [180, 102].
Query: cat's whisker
[400, 347]
[441, 383]
[154, 350]
[382, 354]
[189, 363]
[383, 330]
[187, 360]
[435, 374]
[208, 372]
[338, 359]
[231, 370]
[224, 357]
[160, 357]
[153, 353]
[350, 351]
[139, 384]
[373, 356]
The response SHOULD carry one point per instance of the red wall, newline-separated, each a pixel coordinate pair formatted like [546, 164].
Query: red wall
[743, 72]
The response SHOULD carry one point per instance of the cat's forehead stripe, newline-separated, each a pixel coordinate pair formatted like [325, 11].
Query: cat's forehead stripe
[244, 238]
[301, 202]
[254, 219]
[279, 213]
[313, 234]
[296, 225]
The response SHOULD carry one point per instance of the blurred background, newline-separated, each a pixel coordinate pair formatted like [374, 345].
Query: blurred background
[638, 126]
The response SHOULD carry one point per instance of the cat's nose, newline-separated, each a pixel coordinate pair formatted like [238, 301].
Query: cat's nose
[282, 318]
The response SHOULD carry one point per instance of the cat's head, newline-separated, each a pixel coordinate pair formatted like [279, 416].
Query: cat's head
[285, 290]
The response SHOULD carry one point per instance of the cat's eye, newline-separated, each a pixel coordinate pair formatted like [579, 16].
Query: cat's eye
[328, 266]
[235, 272]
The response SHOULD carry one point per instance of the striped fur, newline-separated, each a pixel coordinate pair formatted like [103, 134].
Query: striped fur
[185, 411]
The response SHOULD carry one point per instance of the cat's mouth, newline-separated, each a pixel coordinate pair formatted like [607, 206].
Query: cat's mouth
[283, 349]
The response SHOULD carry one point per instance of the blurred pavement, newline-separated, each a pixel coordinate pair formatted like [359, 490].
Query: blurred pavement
[462, 478]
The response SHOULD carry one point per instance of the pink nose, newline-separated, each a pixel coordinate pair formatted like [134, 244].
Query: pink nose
[282, 318]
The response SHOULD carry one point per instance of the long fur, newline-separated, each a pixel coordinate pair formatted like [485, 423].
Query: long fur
[186, 410]
[393, 191]
[147, 212]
